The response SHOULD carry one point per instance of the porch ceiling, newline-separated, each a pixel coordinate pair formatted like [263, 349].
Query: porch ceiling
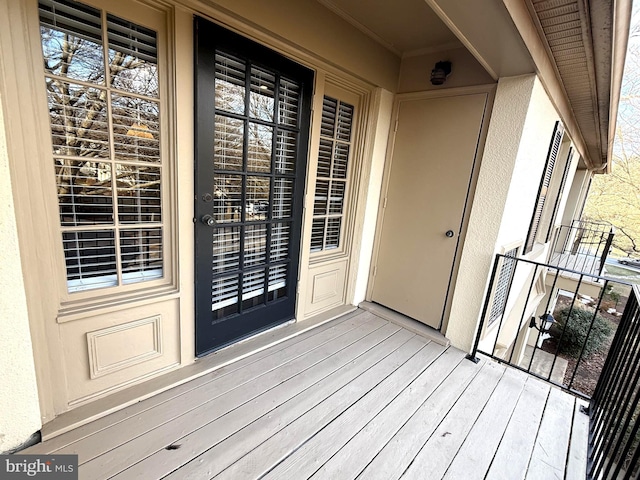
[402, 26]
[585, 43]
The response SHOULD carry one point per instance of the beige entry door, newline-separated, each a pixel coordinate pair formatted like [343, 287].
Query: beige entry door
[432, 163]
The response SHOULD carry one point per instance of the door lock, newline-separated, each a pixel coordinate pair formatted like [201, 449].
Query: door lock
[449, 233]
[208, 220]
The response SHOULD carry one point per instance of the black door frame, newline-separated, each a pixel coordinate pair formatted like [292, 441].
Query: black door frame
[214, 334]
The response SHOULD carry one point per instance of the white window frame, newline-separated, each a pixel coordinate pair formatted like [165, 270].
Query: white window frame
[355, 98]
[81, 296]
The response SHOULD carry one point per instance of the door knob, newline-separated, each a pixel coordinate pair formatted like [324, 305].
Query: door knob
[208, 220]
[449, 233]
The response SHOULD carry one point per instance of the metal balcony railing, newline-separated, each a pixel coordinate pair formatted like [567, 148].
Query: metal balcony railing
[614, 427]
[582, 246]
[580, 332]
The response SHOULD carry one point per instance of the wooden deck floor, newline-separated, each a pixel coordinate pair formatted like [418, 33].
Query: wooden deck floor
[358, 397]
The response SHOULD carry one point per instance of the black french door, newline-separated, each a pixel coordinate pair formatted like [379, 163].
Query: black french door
[253, 110]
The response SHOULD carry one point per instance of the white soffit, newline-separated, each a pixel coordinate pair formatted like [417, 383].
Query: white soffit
[402, 26]
[566, 26]
[587, 39]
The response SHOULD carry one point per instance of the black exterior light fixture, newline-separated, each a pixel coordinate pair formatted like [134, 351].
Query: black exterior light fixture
[440, 73]
[545, 324]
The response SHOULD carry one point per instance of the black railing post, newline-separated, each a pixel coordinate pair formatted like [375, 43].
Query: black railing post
[472, 356]
[607, 249]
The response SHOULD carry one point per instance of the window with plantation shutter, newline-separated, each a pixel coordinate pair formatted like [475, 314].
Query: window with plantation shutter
[104, 109]
[501, 292]
[556, 205]
[332, 174]
[554, 148]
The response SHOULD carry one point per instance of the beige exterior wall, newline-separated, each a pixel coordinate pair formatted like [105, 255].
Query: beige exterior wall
[515, 152]
[415, 71]
[19, 410]
[576, 196]
[309, 27]
[529, 163]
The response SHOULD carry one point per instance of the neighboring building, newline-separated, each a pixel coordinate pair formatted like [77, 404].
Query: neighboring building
[182, 174]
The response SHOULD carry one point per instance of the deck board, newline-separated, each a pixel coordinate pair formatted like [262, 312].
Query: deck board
[273, 406]
[512, 456]
[130, 446]
[277, 448]
[112, 419]
[368, 442]
[577, 459]
[236, 446]
[549, 456]
[475, 455]
[439, 451]
[315, 452]
[391, 462]
[357, 397]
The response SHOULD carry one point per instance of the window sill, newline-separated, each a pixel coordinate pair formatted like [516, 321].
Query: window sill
[71, 311]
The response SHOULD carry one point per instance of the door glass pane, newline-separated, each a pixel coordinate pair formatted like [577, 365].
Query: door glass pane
[255, 245]
[285, 152]
[229, 143]
[257, 206]
[230, 83]
[283, 198]
[288, 103]
[260, 141]
[277, 282]
[224, 294]
[280, 241]
[252, 289]
[227, 198]
[261, 98]
[226, 249]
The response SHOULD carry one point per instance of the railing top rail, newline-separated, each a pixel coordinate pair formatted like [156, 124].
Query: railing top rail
[568, 270]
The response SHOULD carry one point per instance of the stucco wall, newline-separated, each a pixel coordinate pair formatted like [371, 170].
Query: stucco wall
[502, 147]
[19, 409]
[530, 161]
[310, 25]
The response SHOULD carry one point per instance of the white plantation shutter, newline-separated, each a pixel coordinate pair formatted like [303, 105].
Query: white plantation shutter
[501, 292]
[556, 205]
[332, 174]
[554, 148]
